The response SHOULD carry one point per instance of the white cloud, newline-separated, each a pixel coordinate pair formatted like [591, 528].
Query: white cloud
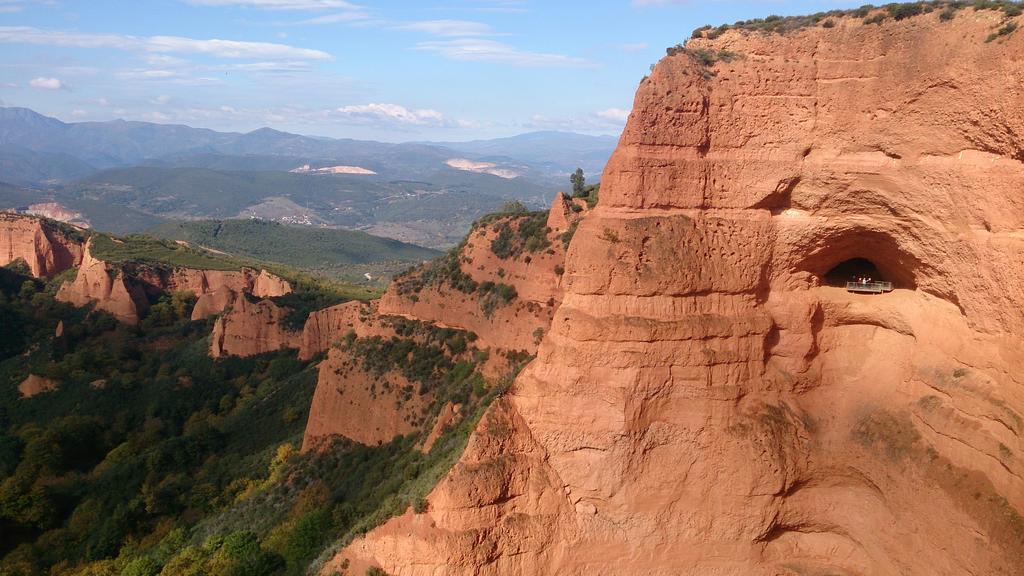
[78, 113]
[165, 61]
[448, 27]
[159, 44]
[614, 114]
[278, 4]
[391, 113]
[481, 50]
[609, 120]
[46, 83]
[633, 46]
[231, 48]
[337, 18]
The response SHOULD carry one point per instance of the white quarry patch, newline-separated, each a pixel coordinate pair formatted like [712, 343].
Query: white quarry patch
[481, 167]
[306, 169]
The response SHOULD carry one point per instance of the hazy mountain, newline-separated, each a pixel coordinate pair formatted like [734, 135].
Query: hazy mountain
[554, 150]
[119, 143]
[20, 165]
[128, 176]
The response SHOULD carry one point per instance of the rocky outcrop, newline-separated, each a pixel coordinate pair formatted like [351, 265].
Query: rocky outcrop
[349, 402]
[33, 385]
[214, 289]
[46, 249]
[104, 285]
[250, 328]
[449, 415]
[125, 290]
[535, 276]
[267, 285]
[705, 403]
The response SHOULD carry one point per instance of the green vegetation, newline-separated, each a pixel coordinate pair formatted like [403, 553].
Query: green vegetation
[1006, 30]
[324, 251]
[439, 360]
[578, 181]
[869, 13]
[589, 193]
[310, 293]
[153, 459]
[525, 233]
[138, 248]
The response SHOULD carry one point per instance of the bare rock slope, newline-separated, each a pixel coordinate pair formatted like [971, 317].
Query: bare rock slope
[46, 248]
[704, 403]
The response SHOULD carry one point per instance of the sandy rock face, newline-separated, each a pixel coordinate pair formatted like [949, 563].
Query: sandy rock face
[44, 248]
[350, 403]
[251, 328]
[105, 285]
[704, 403]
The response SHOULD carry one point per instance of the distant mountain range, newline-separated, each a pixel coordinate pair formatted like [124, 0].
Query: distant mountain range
[81, 146]
[125, 176]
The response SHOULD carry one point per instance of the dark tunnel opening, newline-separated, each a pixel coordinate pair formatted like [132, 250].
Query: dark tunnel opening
[853, 270]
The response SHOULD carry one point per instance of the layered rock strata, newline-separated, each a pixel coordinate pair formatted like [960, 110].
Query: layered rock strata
[704, 402]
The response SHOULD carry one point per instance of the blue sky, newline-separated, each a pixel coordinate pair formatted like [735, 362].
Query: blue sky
[387, 70]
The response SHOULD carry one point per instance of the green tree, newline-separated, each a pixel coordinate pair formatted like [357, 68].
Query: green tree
[578, 182]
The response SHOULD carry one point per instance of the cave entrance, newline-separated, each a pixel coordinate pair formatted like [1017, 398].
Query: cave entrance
[858, 275]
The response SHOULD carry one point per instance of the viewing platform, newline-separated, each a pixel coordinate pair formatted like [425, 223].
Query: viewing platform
[869, 287]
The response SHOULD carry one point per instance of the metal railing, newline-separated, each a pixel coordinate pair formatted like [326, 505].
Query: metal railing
[869, 287]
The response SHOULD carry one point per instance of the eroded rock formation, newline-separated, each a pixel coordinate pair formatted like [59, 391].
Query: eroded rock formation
[105, 285]
[536, 276]
[361, 406]
[249, 328]
[46, 249]
[704, 402]
[125, 290]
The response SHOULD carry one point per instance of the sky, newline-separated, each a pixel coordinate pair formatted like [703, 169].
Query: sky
[392, 71]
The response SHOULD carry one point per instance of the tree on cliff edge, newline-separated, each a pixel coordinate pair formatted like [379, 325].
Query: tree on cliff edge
[578, 181]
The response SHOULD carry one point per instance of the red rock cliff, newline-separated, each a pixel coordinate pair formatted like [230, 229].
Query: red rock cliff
[45, 248]
[105, 285]
[704, 403]
[535, 275]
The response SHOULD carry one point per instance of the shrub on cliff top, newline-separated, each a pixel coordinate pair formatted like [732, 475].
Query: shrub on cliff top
[899, 11]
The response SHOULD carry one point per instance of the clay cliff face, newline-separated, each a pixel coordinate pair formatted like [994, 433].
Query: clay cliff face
[46, 249]
[704, 403]
[250, 328]
[536, 277]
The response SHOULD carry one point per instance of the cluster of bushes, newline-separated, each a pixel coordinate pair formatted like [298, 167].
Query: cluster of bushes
[454, 340]
[516, 235]
[437, 371]
[869, 13]
[704, 57]
[589, 193]
[442, 271]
